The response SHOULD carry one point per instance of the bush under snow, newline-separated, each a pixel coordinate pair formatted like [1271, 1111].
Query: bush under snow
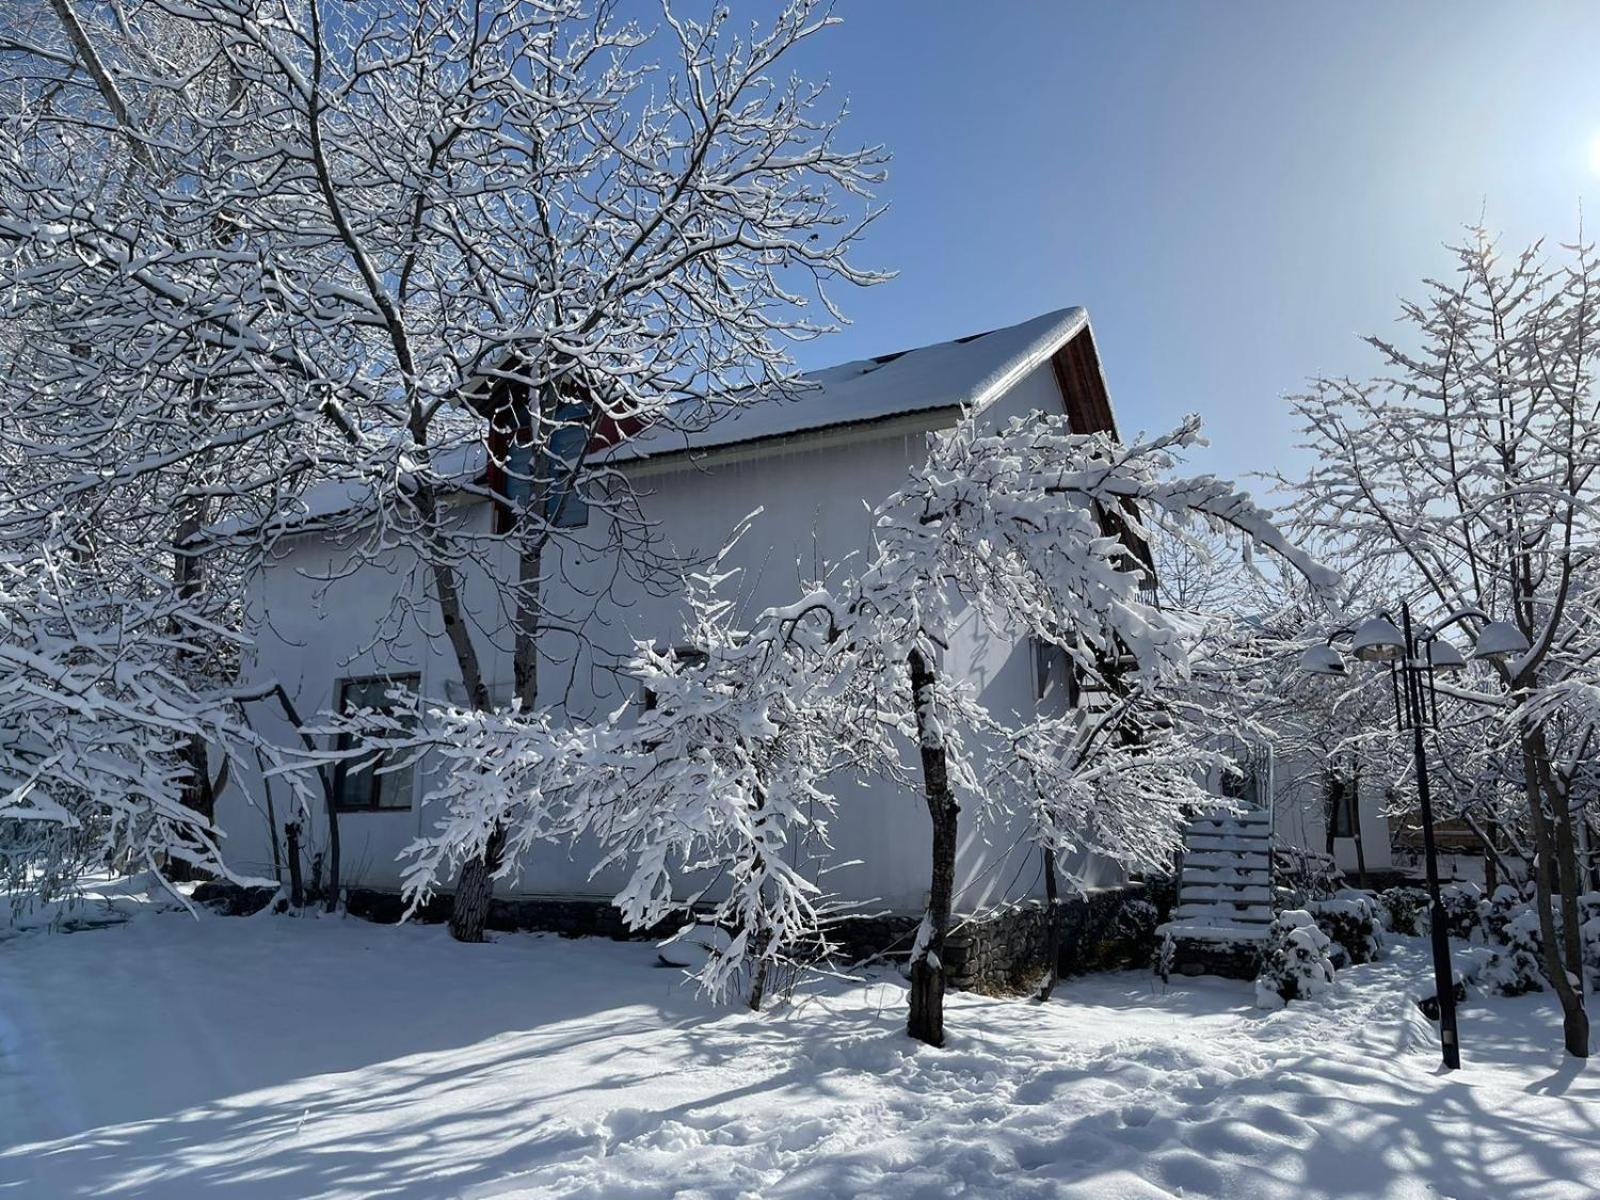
[1295, 964]
[1354, 924]
[1405, 910]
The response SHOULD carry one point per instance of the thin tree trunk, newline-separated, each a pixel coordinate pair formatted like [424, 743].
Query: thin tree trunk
[297, 889]
[198, 795]
[475, 885]
[475, 890]
[926, 1022]
[758, 980]
[1574, 1020]
[272, 819]
[329, 800]
[1566, 865]
[1052, 942]
[1361, 850]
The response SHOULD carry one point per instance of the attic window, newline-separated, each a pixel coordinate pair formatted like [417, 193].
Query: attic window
[516, 469]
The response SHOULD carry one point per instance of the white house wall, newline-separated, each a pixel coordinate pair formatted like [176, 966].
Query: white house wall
[1300, 817]
[815, 502]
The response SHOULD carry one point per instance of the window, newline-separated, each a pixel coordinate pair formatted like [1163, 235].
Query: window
[514, 474]
[1342, 800]
[564, 505]
[1055, 679]
[362, 784]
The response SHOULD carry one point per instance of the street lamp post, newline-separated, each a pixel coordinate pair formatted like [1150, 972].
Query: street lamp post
[1443, 973]
[1418, 654]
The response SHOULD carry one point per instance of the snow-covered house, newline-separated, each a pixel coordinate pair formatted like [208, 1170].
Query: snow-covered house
[814, 464]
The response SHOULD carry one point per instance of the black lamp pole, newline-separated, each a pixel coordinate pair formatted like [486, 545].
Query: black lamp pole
[1443, 975]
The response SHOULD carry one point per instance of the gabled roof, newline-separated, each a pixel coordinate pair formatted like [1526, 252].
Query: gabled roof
[966, 372]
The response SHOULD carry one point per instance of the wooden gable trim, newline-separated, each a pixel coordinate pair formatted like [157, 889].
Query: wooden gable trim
[1088, 404]
[1083, 385]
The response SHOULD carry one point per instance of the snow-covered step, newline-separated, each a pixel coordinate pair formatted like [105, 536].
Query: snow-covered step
[1239, 860]
[1196, 842]
[1230, 931]
[1240, 892]
[1215, 879]
[1235, 912]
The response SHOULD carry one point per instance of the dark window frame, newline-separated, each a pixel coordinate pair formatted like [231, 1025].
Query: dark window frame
[511, 473]
[1048, 655]
[365, 777]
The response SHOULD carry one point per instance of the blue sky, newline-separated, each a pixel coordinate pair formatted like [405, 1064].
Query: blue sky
[1233, 190]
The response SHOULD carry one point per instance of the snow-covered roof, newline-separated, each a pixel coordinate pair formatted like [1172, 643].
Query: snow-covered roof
[968, 371]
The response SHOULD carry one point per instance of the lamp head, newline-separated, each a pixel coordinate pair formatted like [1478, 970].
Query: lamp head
[1377, 640]
[1322, 660]
[1499, 641]
[1443, 656]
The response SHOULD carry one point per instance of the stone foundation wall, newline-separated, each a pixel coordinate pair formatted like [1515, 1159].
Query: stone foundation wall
[1006, 950]
[999, 952]
[1228, 960]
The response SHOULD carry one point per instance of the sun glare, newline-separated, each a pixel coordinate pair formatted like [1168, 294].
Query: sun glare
[1594, 154]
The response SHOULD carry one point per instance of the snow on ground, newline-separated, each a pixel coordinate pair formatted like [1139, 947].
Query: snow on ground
[267, 1057]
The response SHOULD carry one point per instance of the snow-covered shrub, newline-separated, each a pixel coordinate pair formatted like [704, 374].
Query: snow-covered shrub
[1305, 875]
[1462, 910]
[1508, 962]
[1354, 925]
[1405, 910]
[1514, 968]
[1499, 909]
[1294, 964]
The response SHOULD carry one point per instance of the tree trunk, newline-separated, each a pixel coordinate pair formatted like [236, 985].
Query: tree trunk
[758, 979]
[1567, 876]
[1574, 1020]
[1052, 916]
[475, 889]
[475, 886]
[329, 801]
[297, 889]
[926, 1022]
[1355, 827]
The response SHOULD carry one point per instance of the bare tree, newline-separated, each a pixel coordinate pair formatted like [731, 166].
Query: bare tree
[1470, 465]
[441, 254]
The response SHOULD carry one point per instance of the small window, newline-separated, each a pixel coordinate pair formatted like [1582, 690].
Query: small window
[1055, 678]
[362, 784]
[565, 507]
[513, 473]
[1342, 805]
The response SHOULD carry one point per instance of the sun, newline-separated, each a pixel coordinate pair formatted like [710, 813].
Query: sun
[1594, 154]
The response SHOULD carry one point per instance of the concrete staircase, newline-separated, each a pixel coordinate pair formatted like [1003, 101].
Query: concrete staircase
[1224, 894]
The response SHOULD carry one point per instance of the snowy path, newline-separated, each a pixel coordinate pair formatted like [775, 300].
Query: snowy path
[267, 1058]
